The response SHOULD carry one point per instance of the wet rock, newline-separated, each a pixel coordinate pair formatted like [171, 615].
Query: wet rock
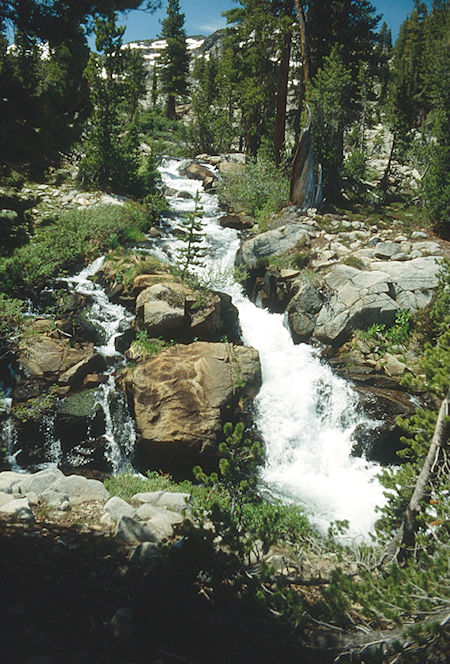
[79, 417]
[182, 397]
[197, 172]
[302, 311]
[237, 221]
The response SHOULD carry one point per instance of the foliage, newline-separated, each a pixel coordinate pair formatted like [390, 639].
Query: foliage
[125, 485]
[398, 333]
[117, 81]
[209, 129]
[144, 347]
[35, 408]
[191, 233]
[258, 190]
[174, 60]
[69, 241]
[11, 317]
[329, 93]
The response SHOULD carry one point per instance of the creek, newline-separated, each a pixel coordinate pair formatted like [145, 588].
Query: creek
[305, 415]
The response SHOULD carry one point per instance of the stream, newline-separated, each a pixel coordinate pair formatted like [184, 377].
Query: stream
[305, 415]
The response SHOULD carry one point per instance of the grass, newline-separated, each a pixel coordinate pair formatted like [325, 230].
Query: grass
[127, 484]
[144, 347]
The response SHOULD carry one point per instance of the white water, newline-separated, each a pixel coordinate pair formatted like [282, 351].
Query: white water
[112, 319]
[305, 414]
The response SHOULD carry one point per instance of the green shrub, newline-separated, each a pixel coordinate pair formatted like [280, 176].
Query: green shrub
[143, 347]
[127, 484]
[258, 190]
[10, 314]
[354, 261]
[71, 240]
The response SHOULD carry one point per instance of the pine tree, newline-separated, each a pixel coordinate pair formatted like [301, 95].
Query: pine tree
[192, 234]
[116, 82]
[174, 61]
[329, 94]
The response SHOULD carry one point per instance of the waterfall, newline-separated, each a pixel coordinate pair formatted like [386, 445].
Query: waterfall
[305, 414]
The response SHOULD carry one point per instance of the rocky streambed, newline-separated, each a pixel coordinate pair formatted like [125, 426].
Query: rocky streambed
[88, 393]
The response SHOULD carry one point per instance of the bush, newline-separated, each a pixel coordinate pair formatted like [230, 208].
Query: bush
[71, 240]
[10, 315]
[259, 190]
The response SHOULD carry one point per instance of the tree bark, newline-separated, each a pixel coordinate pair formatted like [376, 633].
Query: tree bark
[281, 101]
[436, 454]
[403, 541]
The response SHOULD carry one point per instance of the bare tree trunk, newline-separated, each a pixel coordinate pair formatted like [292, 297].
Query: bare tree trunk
[385, 178]
[435, 460]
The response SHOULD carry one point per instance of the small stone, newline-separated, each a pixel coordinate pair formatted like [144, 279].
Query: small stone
[393, 366]
[418, 235]
[416, 253]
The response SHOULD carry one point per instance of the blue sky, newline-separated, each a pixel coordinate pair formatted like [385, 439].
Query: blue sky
[204, 17]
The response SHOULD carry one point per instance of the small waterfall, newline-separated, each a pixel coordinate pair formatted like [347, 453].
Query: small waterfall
[305, 414]
[111, 319]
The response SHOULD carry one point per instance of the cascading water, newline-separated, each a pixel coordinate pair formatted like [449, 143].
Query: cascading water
[305, 414]
[112, 319]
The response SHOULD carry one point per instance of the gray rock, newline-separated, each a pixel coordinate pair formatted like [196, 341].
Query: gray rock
[386, 249]
[146, 512]
[302, 311]
[5, 498]
[163, 522]
[81, 490]
[39, 482]
[419, 277]
[428, 248]
[393, 366]
[55, 498]
[145, 552]
[129, 530]
[167, 499]
[357, 299]
[17, 509]
[8, 479]
[272, 243]
[418, 235]
[376, 239]
[416, 253]
[117, 508]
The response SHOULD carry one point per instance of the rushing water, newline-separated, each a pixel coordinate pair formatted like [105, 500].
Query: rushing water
[305, 414]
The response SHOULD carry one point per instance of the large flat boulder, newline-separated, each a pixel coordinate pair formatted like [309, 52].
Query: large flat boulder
[182, 397]
[272, 243]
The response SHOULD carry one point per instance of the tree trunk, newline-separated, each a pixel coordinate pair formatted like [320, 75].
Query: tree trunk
[437, 454]
[281, 102]
[401, 545]
[385, 178]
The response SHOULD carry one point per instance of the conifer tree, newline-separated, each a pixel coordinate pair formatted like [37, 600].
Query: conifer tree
[191, 232]
[116, 83]
[174, 62]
